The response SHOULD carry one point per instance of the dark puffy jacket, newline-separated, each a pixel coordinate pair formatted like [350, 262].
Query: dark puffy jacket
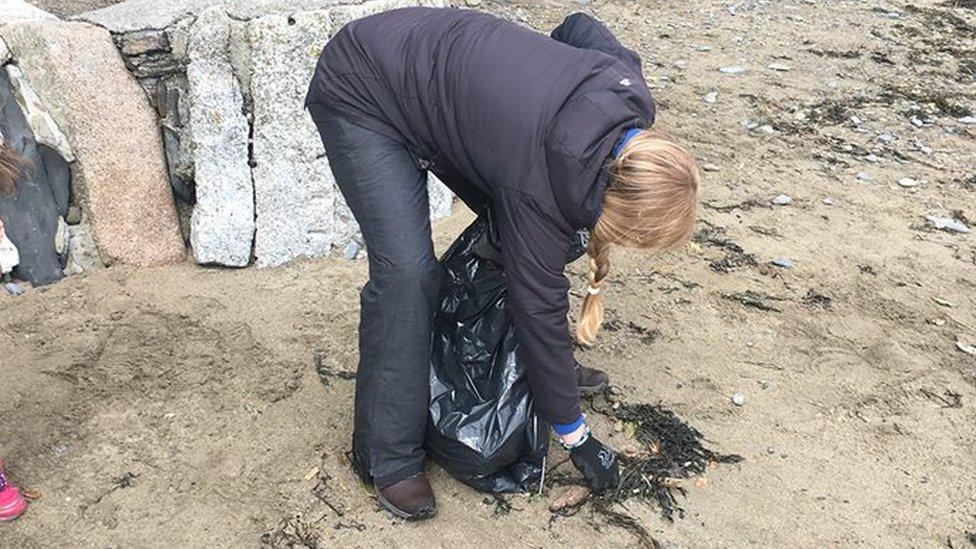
[503, 114]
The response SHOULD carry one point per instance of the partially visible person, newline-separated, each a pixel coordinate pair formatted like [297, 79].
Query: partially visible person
[12, 502]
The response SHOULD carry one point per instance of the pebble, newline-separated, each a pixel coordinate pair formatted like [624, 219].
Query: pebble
[925, 150]
[779, 67]
[351, 250]
[967, 120]
[704, 48]
[765, 383]
[966, 348]
[766, 128]
[863, 176]
[827, 201]
[739, 399]
[856, 120]
[782, 262]
[947, 224]
[709, 167]
[782, 200]
[710, 97]
[908, 182]
[872, 158]
[885, 137]
[771, 451]
[74, 215]
[13, 288]
[917, 122]
[733, 70]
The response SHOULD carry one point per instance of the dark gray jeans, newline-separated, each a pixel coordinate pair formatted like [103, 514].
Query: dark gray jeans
[387, 193]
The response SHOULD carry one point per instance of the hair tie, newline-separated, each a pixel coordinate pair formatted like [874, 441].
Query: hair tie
[628, 135]
[592, 290]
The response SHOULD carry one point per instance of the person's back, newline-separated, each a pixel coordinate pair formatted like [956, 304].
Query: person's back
[473, 96]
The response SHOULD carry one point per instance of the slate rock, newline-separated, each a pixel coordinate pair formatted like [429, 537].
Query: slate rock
[30, 216]
[222, 224]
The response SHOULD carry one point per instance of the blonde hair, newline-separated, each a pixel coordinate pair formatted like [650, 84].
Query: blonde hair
[650, 204]
[10, 169]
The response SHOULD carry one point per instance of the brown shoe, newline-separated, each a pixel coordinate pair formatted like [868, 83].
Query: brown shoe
[410, 499]
[590, 380]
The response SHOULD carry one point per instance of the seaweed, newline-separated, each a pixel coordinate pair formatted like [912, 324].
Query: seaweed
[817, 299]
[735, 256]
[671, 451]
[325, 373]
[755, 300]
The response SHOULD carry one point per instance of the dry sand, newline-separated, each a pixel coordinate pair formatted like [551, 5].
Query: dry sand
[178, 407]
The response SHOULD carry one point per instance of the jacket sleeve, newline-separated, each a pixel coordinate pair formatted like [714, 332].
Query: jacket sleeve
[534, 242]
[582, 31]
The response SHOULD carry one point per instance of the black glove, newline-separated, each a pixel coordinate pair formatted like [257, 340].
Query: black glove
[597, 462]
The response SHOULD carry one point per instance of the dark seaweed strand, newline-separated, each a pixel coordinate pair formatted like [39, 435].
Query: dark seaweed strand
[680, 454]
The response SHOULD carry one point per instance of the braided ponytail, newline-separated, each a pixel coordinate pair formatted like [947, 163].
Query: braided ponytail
[650, 204]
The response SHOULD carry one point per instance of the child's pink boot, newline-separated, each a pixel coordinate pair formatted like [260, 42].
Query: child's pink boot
[12, 503]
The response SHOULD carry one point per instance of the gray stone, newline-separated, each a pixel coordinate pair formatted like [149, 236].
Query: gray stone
[45, 129]
[74, 215]
[82, 253]
[143, 42]
[17, 11]
[351, 251]
[710, 97]
[872, 158]
[734, 70]
[907, 182]
[222, 224]
[827, 201]
[13, 288]
[863, 176]
[300, 212]
[739, 399]
[782, 262]
[947, 224]
[968, 120]
[709, 167]
[782, 200]
[779, 67]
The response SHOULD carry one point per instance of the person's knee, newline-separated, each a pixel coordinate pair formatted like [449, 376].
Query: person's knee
[421, 272]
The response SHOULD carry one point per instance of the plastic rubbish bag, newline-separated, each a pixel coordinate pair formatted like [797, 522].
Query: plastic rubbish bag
[482, 427]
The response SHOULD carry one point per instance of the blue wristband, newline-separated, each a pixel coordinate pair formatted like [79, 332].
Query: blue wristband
[563, 429]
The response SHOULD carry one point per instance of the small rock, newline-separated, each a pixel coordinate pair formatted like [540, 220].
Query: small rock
[710, 97]
[908, 182]
[779, 67]
[572, 497]
[856, 120]
[782, 200]
[863, 176]
[967, 120]
[739, 399]
[704, 48]
[709, 167]
[767, 129]
[927, 151]
[74, 215]
[872, 158]
[771, 451]
[473, 3]
[947, 224]
[885, 137]
[917, 122]
[967, 348]
[765, 383]
[13, 288]
[827, 201]
[734, 70]
[351, 250]
[782, 262]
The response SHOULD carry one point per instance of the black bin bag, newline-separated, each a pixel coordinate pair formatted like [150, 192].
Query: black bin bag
[482, 426]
